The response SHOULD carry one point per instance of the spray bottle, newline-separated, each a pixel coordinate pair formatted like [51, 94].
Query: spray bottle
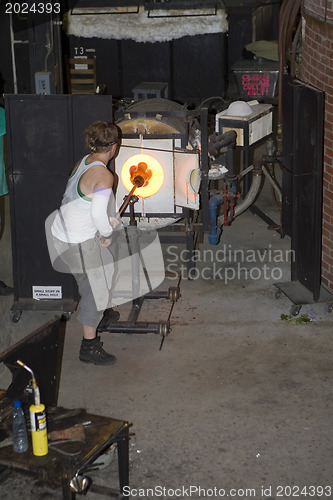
[37, 419]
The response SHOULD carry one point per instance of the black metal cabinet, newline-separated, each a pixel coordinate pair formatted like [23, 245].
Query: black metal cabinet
[302, 167]
[45, 138]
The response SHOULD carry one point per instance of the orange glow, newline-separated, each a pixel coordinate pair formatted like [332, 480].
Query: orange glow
[152, 185]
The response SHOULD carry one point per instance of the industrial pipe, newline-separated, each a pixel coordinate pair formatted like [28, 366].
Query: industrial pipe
[252, 193]
[289, 11]
[215, 201]
[215, 230]
[217, 142]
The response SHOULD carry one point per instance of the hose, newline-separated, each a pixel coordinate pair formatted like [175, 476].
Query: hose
[273, 183]
[251, 195]
[269, 177]
[246, 171]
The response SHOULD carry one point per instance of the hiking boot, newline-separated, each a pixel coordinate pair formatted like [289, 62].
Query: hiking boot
[110, 316]
[92, 351]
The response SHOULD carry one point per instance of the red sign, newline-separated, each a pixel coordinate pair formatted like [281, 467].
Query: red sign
[256, 83]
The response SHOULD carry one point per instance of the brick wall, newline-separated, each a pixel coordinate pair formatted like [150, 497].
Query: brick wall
[317, 70]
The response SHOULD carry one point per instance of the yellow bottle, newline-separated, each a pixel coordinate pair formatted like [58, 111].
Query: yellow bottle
[37, 419]
[38, 430]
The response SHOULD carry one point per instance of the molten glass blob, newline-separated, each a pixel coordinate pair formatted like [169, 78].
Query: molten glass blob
[143, 171]
[140, 174]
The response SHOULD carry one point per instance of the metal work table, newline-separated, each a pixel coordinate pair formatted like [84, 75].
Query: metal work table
[57, 469]
[75, 438]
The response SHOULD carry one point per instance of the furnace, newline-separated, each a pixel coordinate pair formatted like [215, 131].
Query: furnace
[154, 134]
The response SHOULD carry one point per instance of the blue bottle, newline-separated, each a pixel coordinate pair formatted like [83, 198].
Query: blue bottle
[20, 435]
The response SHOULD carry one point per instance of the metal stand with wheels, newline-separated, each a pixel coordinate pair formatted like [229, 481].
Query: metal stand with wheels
[132, 325]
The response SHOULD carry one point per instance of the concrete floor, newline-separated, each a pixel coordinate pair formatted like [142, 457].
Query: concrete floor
[237, 399]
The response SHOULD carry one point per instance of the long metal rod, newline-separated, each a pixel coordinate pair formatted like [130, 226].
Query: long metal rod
[135, 310]
[127, 200]
[137, 327]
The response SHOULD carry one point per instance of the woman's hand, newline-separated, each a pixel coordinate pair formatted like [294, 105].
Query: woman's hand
[115, 222]
[104, 242]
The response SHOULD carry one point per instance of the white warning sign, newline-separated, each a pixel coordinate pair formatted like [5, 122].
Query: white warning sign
[46, 292]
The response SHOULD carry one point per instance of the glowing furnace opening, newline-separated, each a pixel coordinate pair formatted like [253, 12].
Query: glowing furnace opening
[152, 185]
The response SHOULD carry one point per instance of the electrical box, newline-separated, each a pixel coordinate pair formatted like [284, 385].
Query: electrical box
[42, 83]
[250, 129]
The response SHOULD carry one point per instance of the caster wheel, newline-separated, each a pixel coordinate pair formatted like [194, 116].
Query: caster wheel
[66, 316]
[16, 316]
[329, 307]
[278, 294]
[174, 294]
[164, 329]
[294, 311]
